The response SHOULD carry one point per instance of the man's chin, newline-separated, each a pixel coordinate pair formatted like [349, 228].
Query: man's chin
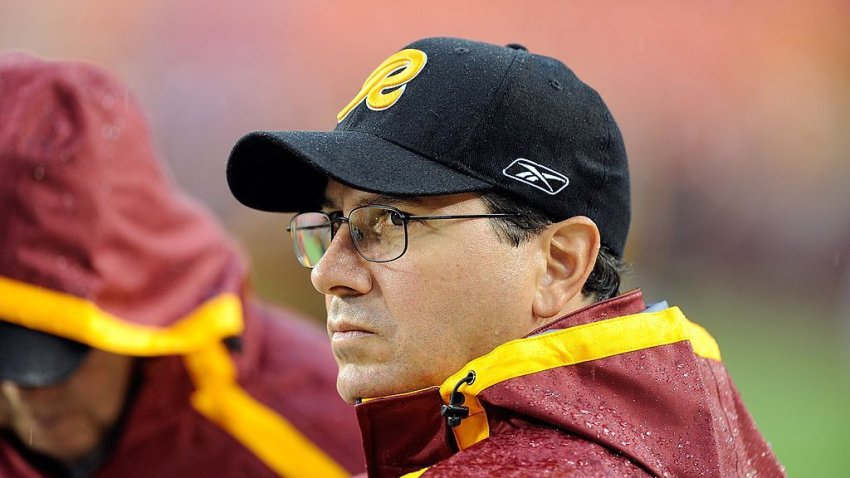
[352, 389]
[62, 451]
[356, 382]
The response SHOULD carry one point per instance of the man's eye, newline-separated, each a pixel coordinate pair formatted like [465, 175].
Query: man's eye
[396, 219]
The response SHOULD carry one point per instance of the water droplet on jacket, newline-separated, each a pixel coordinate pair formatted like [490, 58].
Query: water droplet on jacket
[68, 201]
[109, 132]
[61, 262]
[38, 173]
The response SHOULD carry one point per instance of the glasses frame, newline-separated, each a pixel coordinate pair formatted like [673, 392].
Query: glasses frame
[336, 219]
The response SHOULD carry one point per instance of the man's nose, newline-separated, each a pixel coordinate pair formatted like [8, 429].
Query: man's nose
[342, 271]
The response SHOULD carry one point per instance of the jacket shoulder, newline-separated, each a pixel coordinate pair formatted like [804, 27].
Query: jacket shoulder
[536, 451]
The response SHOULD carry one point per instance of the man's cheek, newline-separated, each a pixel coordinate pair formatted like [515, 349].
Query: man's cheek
[5, 412]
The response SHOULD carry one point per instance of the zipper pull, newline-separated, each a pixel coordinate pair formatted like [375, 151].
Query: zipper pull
[455, 411]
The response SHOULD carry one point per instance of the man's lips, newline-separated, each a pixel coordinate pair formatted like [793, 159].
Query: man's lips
[350, 334]
[346, 330]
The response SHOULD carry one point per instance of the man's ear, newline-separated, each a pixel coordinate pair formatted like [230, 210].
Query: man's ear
[570, 247]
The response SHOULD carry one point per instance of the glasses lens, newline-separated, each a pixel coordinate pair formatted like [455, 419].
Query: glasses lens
[378, 233]
[311, 237]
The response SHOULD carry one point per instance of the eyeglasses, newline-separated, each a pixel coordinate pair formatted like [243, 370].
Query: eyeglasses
[379, 233]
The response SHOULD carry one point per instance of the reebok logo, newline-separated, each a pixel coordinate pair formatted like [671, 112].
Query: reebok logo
[537, 175]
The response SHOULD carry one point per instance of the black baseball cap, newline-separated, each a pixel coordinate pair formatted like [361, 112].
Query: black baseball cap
[31, 358]
[446, 116]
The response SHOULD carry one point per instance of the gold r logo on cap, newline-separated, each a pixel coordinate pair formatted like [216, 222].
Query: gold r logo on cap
[395, 72]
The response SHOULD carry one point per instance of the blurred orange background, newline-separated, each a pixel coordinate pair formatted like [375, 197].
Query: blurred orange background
[736, 117]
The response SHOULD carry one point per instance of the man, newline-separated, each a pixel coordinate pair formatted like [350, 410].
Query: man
[129, 343]
[466, 222]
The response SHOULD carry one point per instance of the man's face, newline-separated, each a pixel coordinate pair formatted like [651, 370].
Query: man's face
[456, 293]
[68, 420]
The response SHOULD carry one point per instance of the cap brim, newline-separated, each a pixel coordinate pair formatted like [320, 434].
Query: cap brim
[35, 359]
[287, 171]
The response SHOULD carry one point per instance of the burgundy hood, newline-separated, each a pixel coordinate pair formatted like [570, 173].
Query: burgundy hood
[85, 209]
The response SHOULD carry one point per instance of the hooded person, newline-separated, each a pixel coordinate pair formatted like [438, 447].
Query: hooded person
[466, 221]
[130, 344]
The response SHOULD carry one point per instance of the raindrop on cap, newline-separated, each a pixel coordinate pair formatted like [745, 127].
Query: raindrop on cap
[38, 173]
[461, 50]
[516, 46]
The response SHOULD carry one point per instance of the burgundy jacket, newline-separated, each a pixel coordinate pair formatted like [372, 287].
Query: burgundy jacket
[97, 245]
[609, 390]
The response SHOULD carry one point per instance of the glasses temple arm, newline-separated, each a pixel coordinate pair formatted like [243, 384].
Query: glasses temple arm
[462, 216]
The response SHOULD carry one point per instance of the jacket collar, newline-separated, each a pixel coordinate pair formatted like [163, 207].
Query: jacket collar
[625, 304]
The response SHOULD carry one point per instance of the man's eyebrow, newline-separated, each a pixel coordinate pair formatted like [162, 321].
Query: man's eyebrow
[376, 199]
[388, 200]
[328, 203]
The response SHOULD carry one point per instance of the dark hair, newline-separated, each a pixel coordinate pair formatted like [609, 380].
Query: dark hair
[603, 282]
